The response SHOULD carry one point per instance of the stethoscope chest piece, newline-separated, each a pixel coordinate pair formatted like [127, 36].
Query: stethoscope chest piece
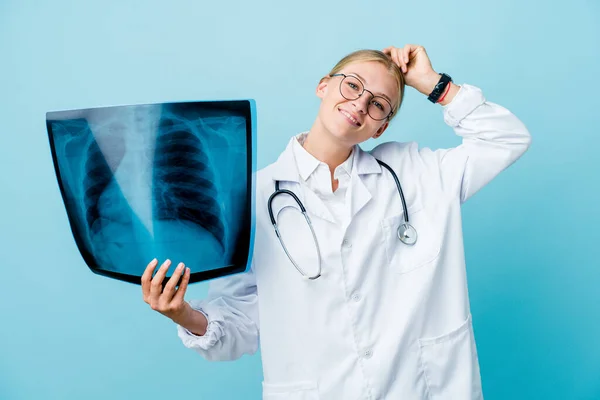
[407, 234]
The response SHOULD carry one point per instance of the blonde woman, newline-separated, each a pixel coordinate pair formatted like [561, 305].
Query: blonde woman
[365, 297]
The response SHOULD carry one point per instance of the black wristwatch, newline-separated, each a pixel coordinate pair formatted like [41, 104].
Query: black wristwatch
[439, 88]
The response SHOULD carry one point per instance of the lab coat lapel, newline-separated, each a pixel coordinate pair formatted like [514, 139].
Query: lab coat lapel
[364, 163]
[314, 205]
[286, 171]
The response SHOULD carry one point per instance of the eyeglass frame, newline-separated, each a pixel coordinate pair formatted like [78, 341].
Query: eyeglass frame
[359, 96]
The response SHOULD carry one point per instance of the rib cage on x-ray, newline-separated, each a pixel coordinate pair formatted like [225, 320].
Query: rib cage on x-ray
[98, 176]
[165, 180]
[183, 181]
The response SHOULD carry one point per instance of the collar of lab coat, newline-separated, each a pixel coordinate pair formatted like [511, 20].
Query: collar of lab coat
[307, 163]
[286, 170]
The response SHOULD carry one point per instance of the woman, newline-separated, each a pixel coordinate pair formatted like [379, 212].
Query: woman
[377, 318]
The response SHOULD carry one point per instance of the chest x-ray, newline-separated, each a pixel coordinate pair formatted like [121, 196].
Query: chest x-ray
[171, 180]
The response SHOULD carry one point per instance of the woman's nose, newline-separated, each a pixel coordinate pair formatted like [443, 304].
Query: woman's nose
[362, 103]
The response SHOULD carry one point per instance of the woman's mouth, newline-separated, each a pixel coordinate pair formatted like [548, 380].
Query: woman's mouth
[349, 117]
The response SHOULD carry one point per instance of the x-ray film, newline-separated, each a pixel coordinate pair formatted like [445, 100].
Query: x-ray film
[171, 180]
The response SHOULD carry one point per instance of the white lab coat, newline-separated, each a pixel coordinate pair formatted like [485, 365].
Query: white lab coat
[386, 320]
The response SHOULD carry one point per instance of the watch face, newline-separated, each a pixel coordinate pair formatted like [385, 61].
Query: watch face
[166, 181]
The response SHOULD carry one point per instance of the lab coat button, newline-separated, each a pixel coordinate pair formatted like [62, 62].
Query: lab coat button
[356, 297]
[346, 243]
[367, 353]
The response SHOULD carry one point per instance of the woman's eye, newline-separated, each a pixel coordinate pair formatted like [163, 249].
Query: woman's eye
[378, 104]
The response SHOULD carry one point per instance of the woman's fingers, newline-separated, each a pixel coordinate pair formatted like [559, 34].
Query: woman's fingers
[406, 53]
[178, 298]
[166, 298]
[146, 279]
[398, 56]
[156, 284]
[172, 283]
[403, 57]
[402, 60]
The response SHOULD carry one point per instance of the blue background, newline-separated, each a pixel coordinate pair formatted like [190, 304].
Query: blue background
[531, 235]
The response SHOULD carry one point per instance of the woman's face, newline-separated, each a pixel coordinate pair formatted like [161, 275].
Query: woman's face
[348, 120]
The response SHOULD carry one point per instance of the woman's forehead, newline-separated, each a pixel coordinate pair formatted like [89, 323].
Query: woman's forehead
[374, 75]
[370, 72]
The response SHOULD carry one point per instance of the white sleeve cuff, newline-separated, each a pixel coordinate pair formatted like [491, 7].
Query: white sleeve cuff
[214, 330]
[464, 102]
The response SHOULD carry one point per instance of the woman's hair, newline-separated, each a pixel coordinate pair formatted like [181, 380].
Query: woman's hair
[382, 58]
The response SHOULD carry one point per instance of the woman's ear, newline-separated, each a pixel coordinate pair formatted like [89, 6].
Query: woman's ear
[381, 129]
[322, 87]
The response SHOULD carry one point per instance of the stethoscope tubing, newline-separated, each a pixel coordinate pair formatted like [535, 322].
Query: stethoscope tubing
[404, 237]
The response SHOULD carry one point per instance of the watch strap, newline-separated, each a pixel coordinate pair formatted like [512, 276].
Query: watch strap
[439, 88]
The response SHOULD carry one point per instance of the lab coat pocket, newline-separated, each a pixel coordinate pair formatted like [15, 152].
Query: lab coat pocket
[450, 366]
[404, 258]
[305, 390]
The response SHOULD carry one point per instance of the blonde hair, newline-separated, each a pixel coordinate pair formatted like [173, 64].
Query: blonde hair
[382, 58]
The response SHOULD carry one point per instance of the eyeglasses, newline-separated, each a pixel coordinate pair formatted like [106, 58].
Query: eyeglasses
[352, 88]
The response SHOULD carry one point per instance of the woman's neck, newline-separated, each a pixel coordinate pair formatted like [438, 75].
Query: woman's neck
[325, 148]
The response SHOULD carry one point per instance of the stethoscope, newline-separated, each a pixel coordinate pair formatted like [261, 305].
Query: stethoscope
[406, 232]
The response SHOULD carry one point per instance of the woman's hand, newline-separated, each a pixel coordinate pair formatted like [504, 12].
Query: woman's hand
[416, 66]
[170, 300]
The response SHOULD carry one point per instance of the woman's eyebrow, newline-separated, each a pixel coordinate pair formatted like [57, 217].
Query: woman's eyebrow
[358, 76]
[385, 96]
